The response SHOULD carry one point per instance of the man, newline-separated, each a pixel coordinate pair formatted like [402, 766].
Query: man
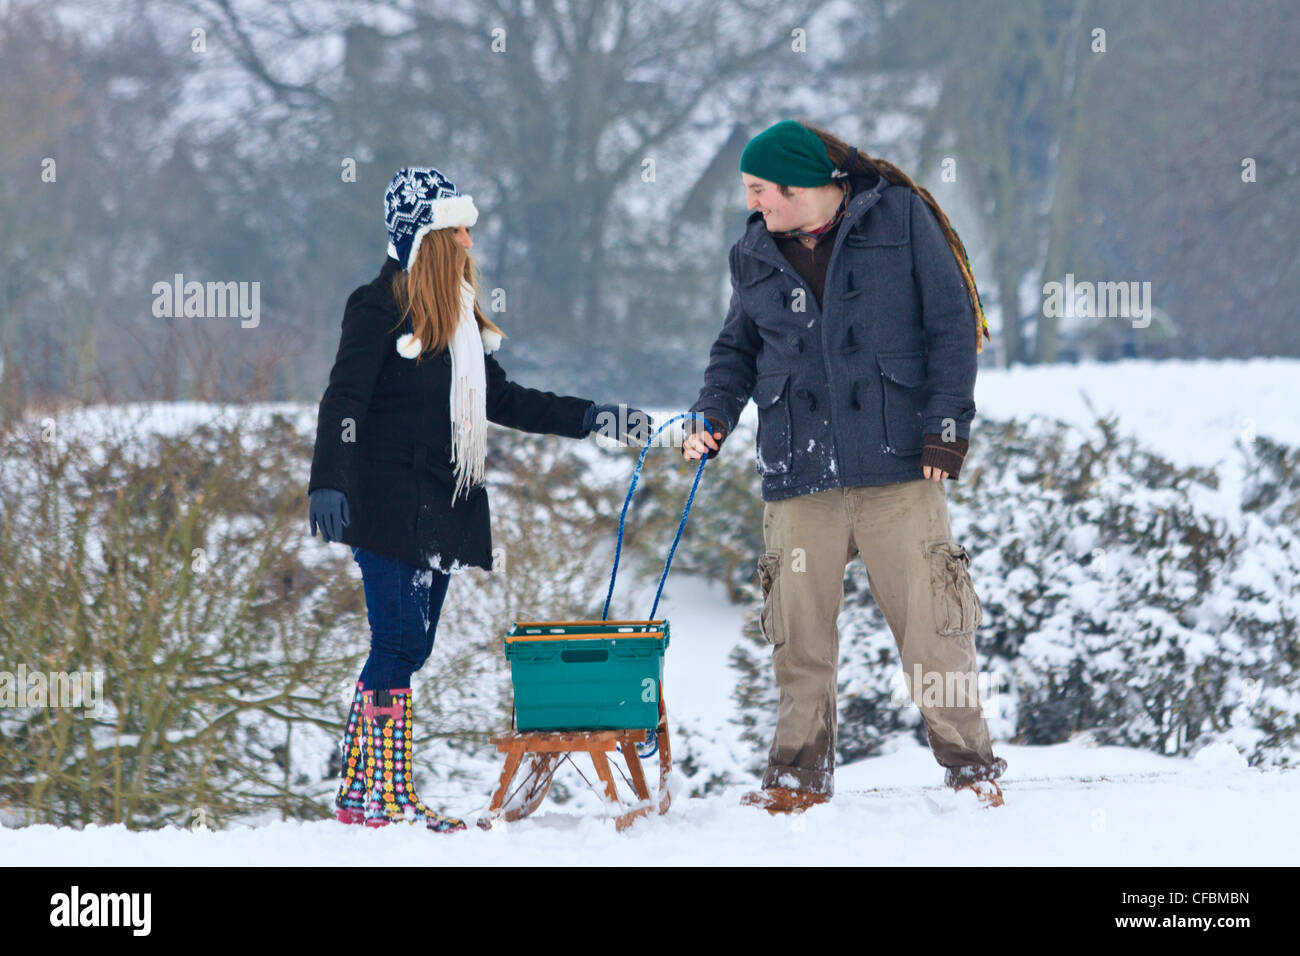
[852, 326]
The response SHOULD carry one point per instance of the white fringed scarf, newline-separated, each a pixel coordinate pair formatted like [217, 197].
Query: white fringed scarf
[468, 391]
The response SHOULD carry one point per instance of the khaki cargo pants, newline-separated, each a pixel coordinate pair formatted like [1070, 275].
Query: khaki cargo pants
[919, 579]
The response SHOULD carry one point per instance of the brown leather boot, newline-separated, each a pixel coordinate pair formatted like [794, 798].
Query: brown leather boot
[981, 779]
[986, 791]
[782, 799]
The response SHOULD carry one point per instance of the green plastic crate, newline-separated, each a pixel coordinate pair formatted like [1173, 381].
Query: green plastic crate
[587, 675]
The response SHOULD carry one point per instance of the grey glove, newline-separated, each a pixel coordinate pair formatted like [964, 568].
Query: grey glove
[328, 511]
[634, 427]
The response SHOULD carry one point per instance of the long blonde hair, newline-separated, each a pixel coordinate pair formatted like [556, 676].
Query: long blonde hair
[429, 291]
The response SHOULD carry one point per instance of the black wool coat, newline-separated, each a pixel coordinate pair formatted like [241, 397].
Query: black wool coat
[383, 438]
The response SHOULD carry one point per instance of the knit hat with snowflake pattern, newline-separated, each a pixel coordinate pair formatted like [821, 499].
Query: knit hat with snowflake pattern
[418, 200]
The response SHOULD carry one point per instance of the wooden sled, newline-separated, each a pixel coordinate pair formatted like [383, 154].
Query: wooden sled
[548, 749]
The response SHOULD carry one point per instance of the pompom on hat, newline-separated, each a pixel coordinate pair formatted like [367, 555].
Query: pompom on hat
[418, 200]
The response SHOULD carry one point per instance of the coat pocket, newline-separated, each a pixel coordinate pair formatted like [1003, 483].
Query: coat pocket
[769, 573]
[774, 448]
[957, 609]
[903, 394]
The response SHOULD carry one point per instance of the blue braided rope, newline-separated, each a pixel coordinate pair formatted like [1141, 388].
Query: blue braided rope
[652, 743]
[636, 474]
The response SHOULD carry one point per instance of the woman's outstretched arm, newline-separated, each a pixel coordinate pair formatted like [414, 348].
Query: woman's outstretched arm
[531, 409]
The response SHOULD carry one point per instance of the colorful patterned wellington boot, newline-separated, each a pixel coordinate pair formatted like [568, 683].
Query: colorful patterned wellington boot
[350, 802]
[387, 716]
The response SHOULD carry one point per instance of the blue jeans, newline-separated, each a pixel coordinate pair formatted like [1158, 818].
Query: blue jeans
[403, 603]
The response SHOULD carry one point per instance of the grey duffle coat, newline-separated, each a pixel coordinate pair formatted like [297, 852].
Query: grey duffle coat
[846, 391]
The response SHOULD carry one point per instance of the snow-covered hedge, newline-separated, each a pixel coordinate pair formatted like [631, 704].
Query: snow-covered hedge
[166, 550]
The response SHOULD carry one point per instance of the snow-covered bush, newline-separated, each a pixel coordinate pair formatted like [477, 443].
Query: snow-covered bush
[1131, 599]
[175, 562]
[171, 566]
[1124, 598]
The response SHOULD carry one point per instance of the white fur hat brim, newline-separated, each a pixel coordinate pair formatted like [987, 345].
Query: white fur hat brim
[454, 211]
[449, 213]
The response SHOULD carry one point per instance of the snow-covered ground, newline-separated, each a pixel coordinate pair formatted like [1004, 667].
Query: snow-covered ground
[1191, 412]
[1071, 804]
[1066, 805]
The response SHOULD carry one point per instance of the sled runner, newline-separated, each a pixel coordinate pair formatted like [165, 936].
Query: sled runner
[591, 687]
[548, 749]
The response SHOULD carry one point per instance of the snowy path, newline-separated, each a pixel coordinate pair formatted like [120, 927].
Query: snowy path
[1150, 811]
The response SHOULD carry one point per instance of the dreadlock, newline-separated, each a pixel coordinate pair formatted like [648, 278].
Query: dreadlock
[838, 152]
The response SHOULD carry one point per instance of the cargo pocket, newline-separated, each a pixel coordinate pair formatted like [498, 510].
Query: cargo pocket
[957, 609]
[769, 621]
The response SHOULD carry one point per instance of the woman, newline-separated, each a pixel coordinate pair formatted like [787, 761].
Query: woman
[398, 467]
[855, 326]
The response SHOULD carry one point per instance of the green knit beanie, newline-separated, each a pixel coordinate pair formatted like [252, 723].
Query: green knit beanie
[788, 154]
